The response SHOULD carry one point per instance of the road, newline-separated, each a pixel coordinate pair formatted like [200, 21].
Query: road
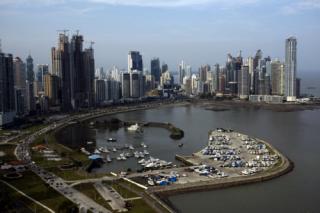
[22, 152]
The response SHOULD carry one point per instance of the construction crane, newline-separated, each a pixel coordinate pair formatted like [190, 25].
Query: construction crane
[91, 43]
[63, 30]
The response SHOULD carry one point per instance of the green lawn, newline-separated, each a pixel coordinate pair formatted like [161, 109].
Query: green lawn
[89, 190]
[8, 151]
[12, 201]
[137, 205]
[33, 186]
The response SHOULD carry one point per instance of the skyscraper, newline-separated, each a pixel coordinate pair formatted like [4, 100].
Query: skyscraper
[75, 67]
[30, 71]
[7, 100]
[42, 70]
[51, 87]
[290, 68]
[61, 68]
[155, 69]
[182, 72]
[135, 61]
[164, 68]
[19, 69]
[244, 82]
[277, 77]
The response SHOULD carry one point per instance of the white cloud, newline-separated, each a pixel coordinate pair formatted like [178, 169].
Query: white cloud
[174, 3]
[301, 5]
[140, 3]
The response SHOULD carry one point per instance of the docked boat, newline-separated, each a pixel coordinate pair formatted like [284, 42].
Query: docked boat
[131, 147]
[144, 145]
[134, 127]
[89, 142]
[109, 159]
[96, 151]
[103, 150]
[180, 145]
[83, 150]
[145, 152]
[114, 149]
[122, 156]
[150, 182]
[119, 158]
[128, 155]
[111, 140]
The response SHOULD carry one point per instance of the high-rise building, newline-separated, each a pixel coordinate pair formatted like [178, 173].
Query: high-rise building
[125, 80]
[30, 71]
[61, 67]
[19, 69]
[100, 91]
[42, 70]
[75, 67]
[277, 77]
[7, 96]
[203, 72]
[215, 79]
[155, 69]
[298, 87]
[164, 68]
[290, 68]
[135, 84]
[135, 61]
[166, 80]
[244, 82]
[182, 72]
[51, 88]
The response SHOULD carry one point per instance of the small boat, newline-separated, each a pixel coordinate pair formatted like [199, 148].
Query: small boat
[109, 159]
[180, 145]
[136, 154]
[89, 142]
[103, 149]
[91, 123]
[83, 150]
[141, 155]
[114, 149]
[143, 145]
[145, 152]
[150, 182]
[96, 151]
[131, 147]
[128, 155]
[119, 158]
[134, 127]
[111, 140]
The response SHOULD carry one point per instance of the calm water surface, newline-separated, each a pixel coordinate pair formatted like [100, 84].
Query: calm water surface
[296, 134]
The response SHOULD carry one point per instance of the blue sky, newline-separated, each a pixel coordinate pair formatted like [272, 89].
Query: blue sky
[198, 31]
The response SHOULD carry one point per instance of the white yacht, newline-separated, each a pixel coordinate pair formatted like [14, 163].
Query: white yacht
[144, 145]
[134, 127]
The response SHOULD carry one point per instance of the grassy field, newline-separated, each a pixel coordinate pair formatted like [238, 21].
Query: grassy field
[33, 186]
[89, 190]
[8, 151]
[12, 201]
[137, 206]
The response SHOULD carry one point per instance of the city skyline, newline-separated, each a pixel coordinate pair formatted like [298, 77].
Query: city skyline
[171, 31]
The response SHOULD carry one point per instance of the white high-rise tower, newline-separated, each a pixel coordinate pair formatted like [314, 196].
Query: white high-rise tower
[291, 68]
